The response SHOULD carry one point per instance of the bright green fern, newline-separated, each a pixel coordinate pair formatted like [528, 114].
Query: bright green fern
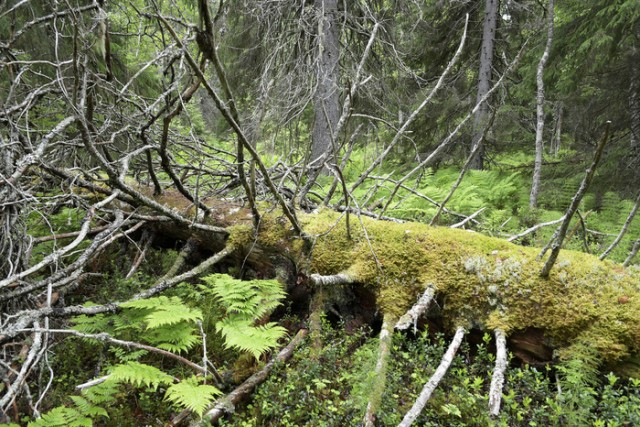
[190, 394]
[139, 374]
[246, 302]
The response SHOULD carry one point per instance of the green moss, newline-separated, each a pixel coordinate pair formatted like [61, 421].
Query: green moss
[240, 236]
[483, 281]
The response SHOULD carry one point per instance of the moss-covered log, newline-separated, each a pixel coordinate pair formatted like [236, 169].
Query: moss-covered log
[482, 282]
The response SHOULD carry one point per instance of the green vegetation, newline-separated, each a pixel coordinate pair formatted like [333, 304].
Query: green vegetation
[333, 389]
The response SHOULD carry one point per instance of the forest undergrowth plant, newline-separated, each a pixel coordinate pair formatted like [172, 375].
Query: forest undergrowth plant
[333, 389]
[168, 323]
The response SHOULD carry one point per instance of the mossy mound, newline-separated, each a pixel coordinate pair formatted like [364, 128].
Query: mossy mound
[483, 282]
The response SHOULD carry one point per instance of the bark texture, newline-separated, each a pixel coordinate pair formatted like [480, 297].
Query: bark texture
[484, 78]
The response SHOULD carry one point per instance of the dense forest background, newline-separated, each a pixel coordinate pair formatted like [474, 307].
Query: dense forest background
[193, 192]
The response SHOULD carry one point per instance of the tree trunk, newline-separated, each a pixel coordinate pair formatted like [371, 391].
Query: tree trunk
[634, 95]
[484, 77]
[537, 168]
[327, 96]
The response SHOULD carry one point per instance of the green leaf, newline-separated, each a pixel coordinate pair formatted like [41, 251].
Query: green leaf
[139, 374]
[246, 337]
[165, 311]
[192, 396]
[87, 408]
[62, 416]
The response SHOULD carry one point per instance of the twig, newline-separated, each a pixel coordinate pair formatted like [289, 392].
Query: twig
[535, 228]
[634, 251]
[623, 230]
[400, 133]
[467, 219]
[105, 337]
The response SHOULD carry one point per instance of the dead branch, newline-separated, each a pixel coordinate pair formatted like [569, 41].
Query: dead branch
[435, 379]
[465, 168]
[419, 308]
[497, 380]
[386, 336]
[445, 143]
[105, 337]
[632, 254]
[27, 365]
[25, 318]
[623, 230]
[226, 404]
[469, 218]
[534, 228]
[559, 236]
[400, 133]
[336, 279]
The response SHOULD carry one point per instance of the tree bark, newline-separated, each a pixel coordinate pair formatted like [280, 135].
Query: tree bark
[537, 168]
[326, 100]
[484, 78]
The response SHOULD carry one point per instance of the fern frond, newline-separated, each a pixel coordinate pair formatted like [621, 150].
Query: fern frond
[165, 311]
[254, 298]
[62, 416]
[191, 395]
[175, 338]
[101, 394]
[91, 324]
[246, 337]
[139, 374]
[87, 408]
[125, 356]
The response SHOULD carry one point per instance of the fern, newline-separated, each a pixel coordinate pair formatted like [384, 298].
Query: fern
[245, 302]
[88, 408]
[101, 394]
[246, 337]
[92, 324]
[62, 416]
[253, 298]
[190, 395]
[139, 374]
[174, 338]
[164, 311]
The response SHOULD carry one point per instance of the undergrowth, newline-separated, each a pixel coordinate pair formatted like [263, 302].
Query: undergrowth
[333, 388]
